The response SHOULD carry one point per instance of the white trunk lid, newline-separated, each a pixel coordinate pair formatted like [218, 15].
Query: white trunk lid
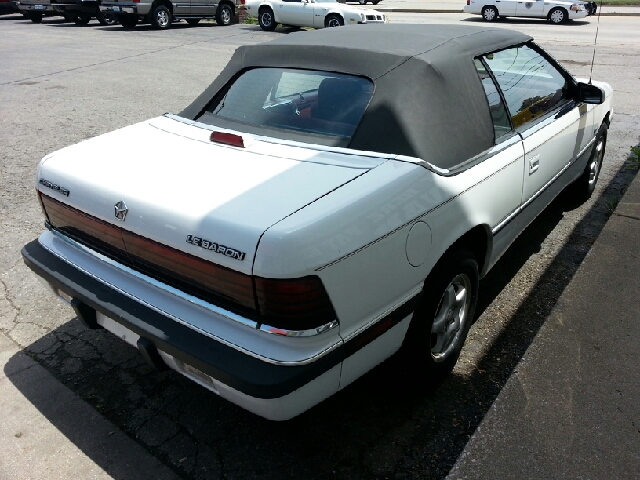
[176, 183]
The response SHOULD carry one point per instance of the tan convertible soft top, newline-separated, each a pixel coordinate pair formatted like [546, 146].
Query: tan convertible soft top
[428, 101]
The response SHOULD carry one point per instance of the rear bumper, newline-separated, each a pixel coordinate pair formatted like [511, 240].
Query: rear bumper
[138, 9]
[274, 376]
[35, 7]
[274, 391]
[76, 7]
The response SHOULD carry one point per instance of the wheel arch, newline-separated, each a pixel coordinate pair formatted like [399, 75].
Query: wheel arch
[264, 5]
[166, 3]
[490, 6]
[270, 6]
[230, 4]
[335, 12]
[479, 241]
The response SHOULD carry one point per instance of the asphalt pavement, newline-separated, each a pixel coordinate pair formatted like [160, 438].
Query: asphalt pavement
[569, 410]
[456, 6]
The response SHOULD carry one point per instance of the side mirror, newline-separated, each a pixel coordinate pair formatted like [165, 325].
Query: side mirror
[589, 94]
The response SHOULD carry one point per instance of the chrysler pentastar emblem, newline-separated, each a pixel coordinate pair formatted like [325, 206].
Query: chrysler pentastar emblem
[121, 210]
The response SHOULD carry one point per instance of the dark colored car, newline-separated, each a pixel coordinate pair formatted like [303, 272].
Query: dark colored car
[591, 7]
[8, 6]
[82, 11]
[35, 10]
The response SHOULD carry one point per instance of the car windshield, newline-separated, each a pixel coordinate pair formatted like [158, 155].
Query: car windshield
[309, 101]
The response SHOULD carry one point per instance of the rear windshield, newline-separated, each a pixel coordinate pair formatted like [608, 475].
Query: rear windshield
[308, 101]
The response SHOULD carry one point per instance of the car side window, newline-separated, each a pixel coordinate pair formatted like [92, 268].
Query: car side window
[530, 84]
[501, 123]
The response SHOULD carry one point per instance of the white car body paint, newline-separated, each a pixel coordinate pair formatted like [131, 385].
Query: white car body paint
[299, 210]
[531, 9]
[309, 13]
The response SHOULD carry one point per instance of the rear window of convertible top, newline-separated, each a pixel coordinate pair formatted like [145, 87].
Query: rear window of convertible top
[315, 102]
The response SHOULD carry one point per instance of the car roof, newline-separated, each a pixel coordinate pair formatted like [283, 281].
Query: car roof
[428, 102]
[396, 41]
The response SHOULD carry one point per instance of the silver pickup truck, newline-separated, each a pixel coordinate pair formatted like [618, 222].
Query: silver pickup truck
[160, 13]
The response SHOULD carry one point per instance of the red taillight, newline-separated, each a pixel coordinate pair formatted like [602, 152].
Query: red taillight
[468, 2]
[294, 304]
[211, 278]
[44, 212]
[191, 274]
[78, 224]
[291, 304]
[227, 139]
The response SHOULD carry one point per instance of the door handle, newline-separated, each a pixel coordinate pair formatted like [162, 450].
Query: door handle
[534, 164]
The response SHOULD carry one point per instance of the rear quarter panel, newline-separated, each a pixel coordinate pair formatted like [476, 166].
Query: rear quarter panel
[355, 237]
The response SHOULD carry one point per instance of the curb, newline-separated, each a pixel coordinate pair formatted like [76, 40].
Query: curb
[48, 431]
[429, 10]
[418, 10]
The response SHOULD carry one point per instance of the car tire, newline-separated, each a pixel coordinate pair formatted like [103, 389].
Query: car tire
[333, 20]
[193, 21]
[375, 2]
[558, 15]
[224, 15]
[69, 18]
[106, 18]
[586, 183]
[161, 17]
[441, 322]
[490, 14]
[266, 20]
[128, 21]
[35, 17]
[82, 19]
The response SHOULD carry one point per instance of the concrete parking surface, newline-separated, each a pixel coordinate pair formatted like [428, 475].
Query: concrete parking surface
[549, 372]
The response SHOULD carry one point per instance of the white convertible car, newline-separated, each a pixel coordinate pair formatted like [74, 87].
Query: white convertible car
[308, 215]
[310, 13]
[556, 11]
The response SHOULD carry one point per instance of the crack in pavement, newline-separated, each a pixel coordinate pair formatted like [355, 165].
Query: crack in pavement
[16, 308]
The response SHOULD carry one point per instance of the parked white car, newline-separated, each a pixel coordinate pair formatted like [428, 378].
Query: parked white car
[310, 13]
[554, 11]
[309, 214]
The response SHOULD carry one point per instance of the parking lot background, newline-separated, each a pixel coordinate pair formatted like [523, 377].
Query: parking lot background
[61, 84]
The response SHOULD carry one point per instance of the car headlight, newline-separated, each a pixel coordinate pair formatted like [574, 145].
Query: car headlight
[577, 7]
